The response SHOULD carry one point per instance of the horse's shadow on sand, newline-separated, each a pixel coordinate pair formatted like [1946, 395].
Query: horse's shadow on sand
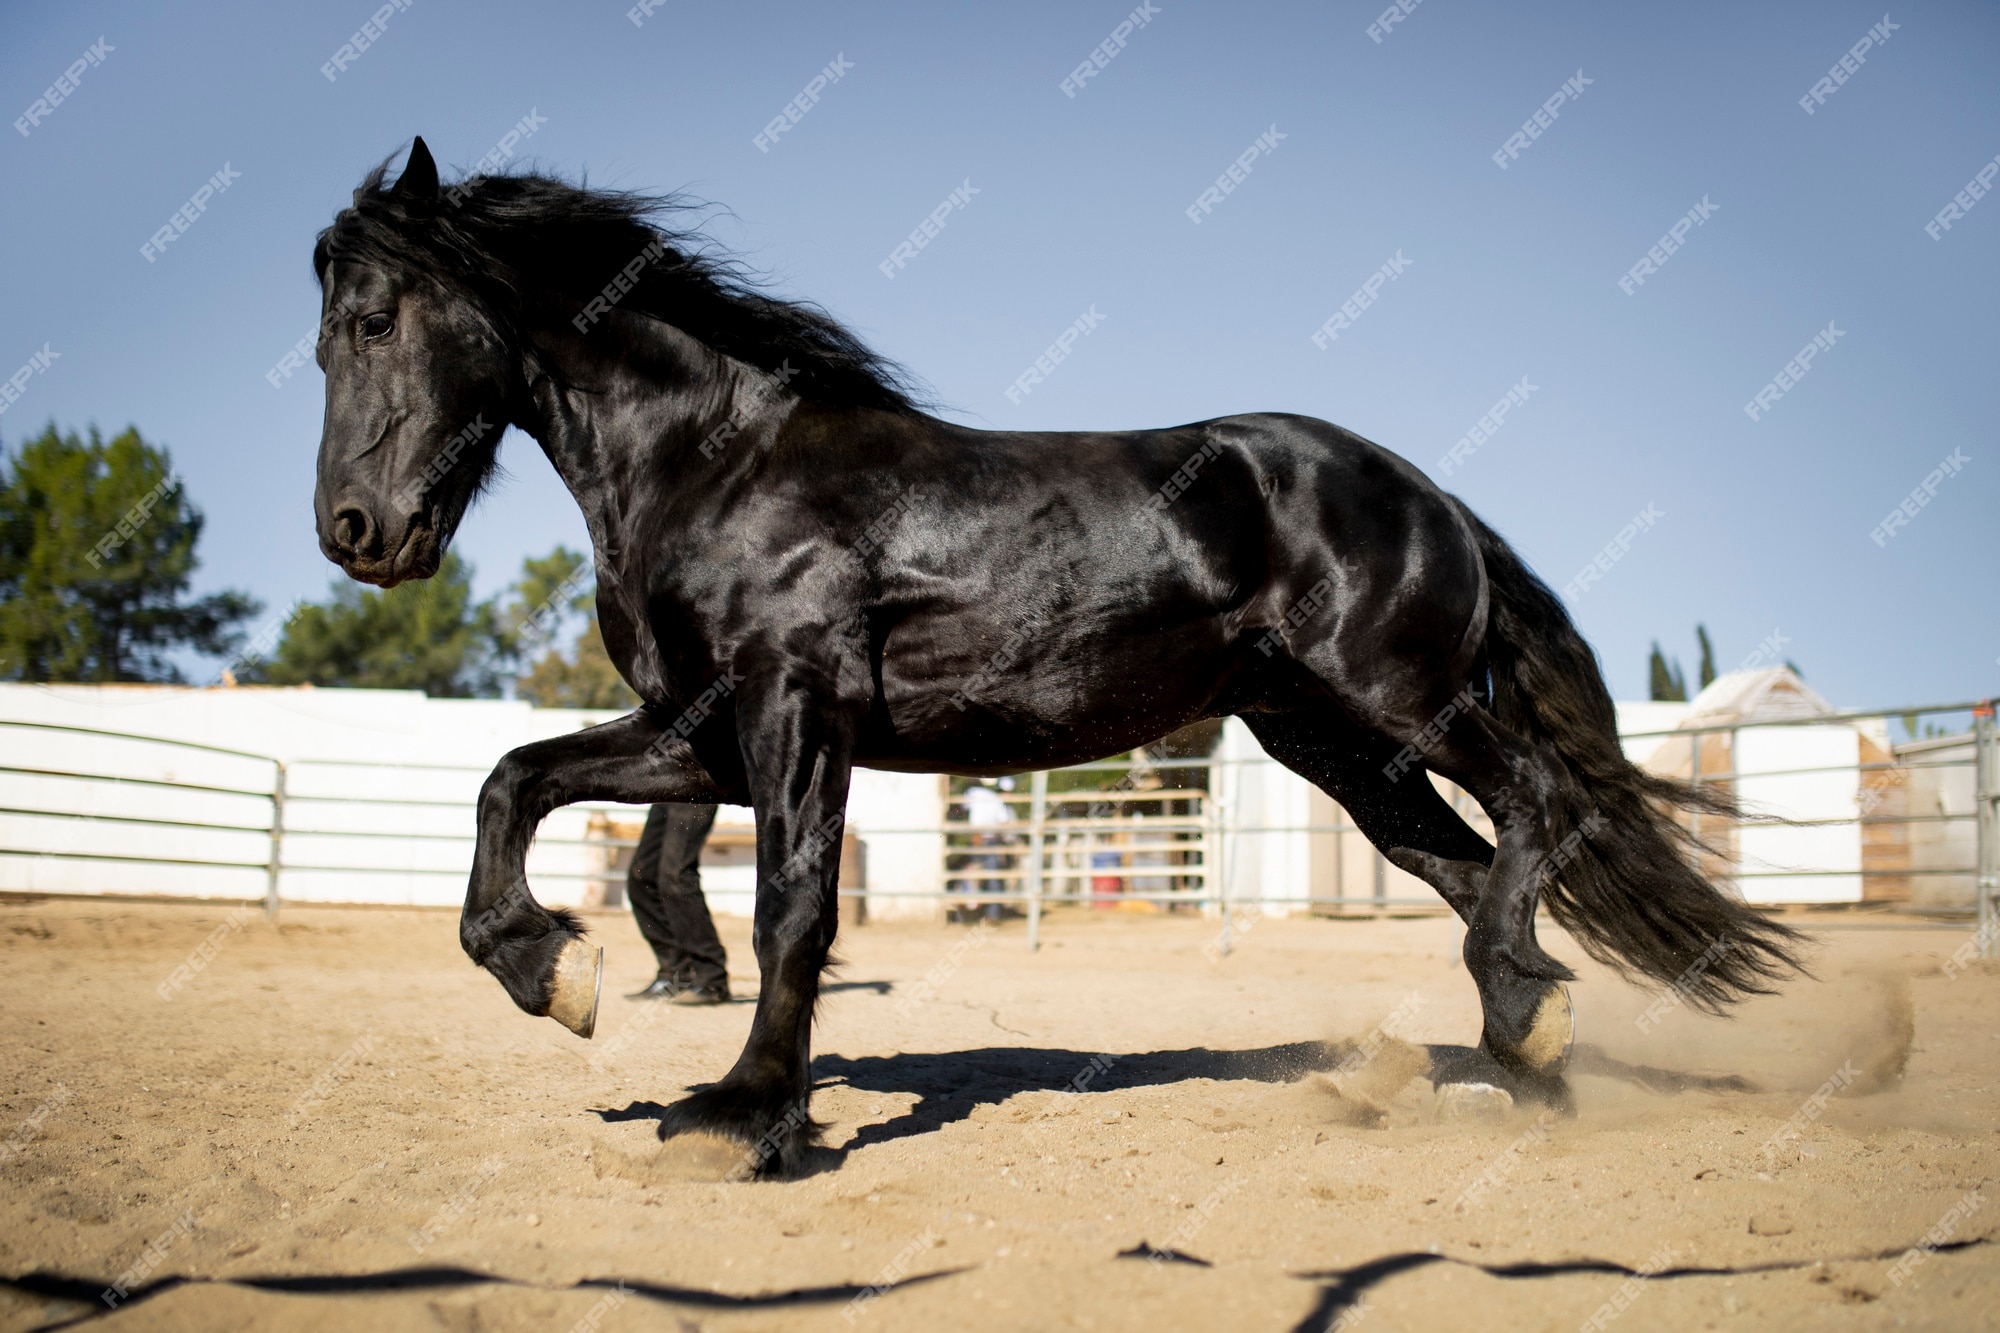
[950, 1085]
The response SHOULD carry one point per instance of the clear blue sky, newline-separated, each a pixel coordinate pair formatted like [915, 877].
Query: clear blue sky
[1387, 148]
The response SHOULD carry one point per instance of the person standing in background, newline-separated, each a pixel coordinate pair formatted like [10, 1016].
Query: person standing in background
[664, 888]
[985, 809]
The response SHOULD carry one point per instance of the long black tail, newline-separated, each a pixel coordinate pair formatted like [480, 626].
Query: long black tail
[1631, 895]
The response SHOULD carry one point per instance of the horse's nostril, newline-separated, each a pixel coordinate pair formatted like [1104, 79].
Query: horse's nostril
[352, 532]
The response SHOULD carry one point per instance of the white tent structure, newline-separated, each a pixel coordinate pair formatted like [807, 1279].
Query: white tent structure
[1758, 735]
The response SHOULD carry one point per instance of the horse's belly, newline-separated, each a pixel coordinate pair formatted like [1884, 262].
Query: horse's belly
[1031, 703]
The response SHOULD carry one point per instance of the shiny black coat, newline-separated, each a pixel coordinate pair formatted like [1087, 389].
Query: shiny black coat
[800, 571]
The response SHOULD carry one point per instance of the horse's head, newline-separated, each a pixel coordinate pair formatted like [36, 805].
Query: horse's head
[416, 380]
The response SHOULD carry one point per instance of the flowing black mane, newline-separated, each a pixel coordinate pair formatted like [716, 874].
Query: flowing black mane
[503, 240]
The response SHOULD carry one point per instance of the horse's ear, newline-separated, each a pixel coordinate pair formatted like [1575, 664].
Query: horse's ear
[419, 181]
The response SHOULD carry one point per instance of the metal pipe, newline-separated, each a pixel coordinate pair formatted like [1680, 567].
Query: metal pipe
[1814, 720]
[1694, 784]
[1986, 782]
[1038, 787]
[277, 840]
[133, 736]
[1227, 938]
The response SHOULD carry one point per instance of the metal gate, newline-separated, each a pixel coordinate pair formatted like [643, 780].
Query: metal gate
[1138, 841]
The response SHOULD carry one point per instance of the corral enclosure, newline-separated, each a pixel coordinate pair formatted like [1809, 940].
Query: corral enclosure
[366, 796]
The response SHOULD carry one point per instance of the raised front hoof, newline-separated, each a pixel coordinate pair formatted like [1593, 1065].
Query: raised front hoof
[575, 985]
[770, 1135]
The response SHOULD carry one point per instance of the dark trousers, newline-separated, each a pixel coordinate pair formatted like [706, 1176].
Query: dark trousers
[664, 888]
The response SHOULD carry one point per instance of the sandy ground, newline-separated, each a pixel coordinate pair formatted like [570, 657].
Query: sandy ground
[340, 1123]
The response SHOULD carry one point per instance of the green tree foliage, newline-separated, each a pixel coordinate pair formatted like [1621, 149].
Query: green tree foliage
[433, 636]
[97, 548]
[584, 678]
[1666, 684]
[429, 635]
[550, 590]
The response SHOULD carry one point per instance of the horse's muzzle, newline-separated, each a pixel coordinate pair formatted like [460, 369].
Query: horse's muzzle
[353, 542]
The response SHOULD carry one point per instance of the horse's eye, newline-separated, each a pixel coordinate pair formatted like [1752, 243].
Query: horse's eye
[376, 326]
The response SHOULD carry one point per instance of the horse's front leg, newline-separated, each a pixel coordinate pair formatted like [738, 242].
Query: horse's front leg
[798, 750]
[537, 953]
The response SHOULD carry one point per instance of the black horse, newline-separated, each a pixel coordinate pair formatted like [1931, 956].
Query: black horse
[799, 570]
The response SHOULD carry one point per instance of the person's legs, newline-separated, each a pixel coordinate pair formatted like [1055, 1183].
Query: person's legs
[664, 888]
[694, 958]
[642, 891]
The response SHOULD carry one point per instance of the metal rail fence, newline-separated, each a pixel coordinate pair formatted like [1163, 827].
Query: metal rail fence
[298, 823]
[1926, 812]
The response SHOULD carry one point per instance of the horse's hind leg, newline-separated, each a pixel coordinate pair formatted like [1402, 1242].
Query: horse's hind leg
[1527, 1018]
[1520, 785]
[1407, 821]
[1401, 813]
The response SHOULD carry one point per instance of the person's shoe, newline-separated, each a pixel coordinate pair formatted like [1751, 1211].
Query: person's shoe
[695, 995]
[660, 989]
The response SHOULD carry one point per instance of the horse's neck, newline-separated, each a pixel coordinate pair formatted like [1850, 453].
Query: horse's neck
[624, 421]
[636, 408]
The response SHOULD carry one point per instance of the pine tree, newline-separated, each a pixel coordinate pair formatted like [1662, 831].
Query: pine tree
[1667, 684]
[585, 678]
[551, 589]
[97, 549]
[429, 635]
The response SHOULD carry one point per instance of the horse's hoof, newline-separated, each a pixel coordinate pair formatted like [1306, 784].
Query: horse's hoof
[771, 1134]
[574, 989]
[1551, 1033]
[1480, 1103]
[696, 1157]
